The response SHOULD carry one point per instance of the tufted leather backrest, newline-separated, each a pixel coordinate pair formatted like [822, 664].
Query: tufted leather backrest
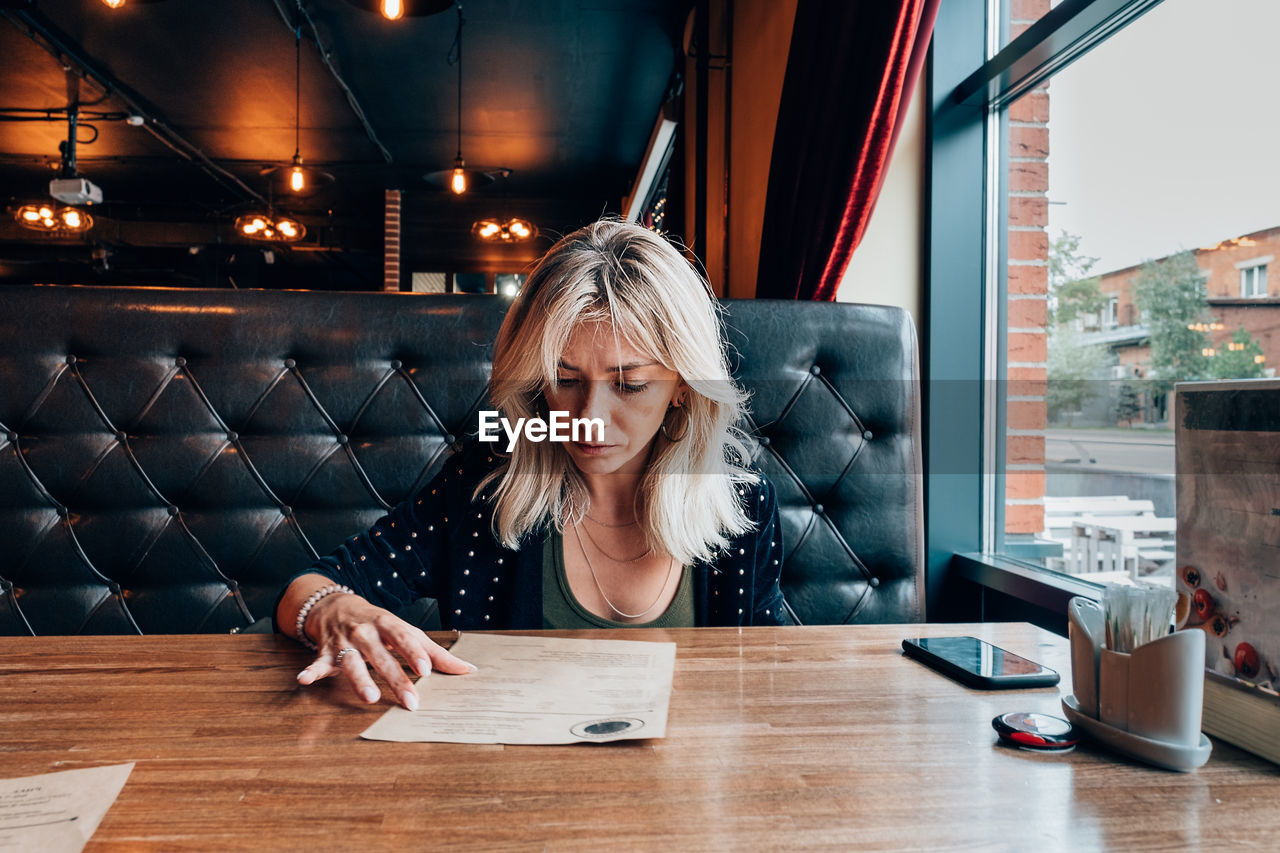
[168, 457]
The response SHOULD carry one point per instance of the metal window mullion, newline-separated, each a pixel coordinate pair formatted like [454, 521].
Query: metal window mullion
[1061, 36]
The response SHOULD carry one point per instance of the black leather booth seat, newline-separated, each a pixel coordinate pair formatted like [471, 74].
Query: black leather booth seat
[168, 457]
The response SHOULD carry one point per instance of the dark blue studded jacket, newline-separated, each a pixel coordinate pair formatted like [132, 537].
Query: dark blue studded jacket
[438, 544]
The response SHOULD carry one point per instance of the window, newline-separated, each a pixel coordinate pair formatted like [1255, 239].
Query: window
[1096, 225]
[1253, 281]
[1089, 157]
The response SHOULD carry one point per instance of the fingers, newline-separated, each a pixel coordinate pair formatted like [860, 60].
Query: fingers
[321, 667]
[357, 674]
[357, 645]
[422, 653]
[443, 660]
[385, 664]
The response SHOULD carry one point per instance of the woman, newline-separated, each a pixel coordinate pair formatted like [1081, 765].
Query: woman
[655, 518]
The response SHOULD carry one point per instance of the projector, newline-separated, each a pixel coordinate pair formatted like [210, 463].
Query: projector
[75, 191]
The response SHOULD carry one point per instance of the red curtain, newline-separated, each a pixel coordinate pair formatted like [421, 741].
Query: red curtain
[852, 67]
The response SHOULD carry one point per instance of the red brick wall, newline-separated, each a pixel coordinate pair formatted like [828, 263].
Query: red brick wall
[1028, 288]
[1026, 309]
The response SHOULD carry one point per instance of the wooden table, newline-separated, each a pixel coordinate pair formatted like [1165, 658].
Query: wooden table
[778, 738]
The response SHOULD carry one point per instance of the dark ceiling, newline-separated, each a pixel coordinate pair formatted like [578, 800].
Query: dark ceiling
[563, 93]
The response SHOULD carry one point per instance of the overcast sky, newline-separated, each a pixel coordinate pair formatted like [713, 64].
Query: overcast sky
[1167, 136]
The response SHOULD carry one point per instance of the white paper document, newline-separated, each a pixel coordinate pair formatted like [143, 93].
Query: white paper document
[57, 812]
[532, 690]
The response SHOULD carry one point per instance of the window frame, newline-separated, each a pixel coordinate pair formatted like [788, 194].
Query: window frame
[971, 83]
[1253, 271]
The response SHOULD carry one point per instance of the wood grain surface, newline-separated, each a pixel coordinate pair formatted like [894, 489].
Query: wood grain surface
[815, 737]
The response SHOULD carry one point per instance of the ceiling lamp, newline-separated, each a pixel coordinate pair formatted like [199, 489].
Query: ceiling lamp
[394, 10]
[116, 4]
[52, 217]
[297, 180]
[459, 179]
[505, 231]
[270, 228]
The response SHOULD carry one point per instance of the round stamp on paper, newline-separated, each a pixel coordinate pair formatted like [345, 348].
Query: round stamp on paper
[600, 729]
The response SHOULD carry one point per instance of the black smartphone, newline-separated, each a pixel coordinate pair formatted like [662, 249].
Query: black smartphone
[978, 664]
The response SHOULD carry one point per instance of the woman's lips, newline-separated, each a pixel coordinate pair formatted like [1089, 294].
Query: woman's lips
[593, 449]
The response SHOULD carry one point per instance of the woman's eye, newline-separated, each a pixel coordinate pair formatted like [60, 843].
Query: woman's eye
[627, 388]
[564, 382]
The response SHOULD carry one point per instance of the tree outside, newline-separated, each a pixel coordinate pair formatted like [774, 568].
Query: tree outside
[1170, 295]
[1241, 358]
[1073, 371]
[1073, 367]
[1072, 292]
[1128, 406]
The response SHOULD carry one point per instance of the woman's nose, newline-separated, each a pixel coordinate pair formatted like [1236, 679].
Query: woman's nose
[596, 401]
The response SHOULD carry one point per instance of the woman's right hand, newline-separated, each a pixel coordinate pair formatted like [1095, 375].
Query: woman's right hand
[372, 636]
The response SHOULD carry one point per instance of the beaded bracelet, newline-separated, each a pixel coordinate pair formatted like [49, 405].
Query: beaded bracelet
[311, 602]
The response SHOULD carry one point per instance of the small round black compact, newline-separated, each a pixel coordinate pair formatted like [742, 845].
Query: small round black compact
[1036, 731]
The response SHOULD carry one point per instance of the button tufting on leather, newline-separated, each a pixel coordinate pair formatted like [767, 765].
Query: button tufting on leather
[283, 448]
[818, 508]
[342, 438]
[286, 510]
[120, 435]
[114, 587]
[173, 510]
[233, 585]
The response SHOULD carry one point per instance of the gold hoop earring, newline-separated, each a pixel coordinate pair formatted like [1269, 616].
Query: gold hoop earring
[674, 435]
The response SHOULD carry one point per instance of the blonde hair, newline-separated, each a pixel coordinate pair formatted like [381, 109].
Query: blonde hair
[639, 284]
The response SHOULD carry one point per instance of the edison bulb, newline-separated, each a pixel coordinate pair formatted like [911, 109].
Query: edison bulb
[114, 4]
[296, 180]
[459, 183]
[71, 218]
[391, 9]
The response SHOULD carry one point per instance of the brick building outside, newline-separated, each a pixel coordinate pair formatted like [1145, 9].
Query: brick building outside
[1243, 290]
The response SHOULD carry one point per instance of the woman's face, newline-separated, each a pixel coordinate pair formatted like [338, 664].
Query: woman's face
[631, 403]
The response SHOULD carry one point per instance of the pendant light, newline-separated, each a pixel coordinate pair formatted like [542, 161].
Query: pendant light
[270, 228]
[394, 10]
[297, 181]
[513, 230]
[54, 218]
[116, 4]
[460, 179]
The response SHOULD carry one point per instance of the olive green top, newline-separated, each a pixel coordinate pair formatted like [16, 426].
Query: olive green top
[560, 609]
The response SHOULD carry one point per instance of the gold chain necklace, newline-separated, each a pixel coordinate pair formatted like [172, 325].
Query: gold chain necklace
[631, 523]
[612, 606]
[592, 540]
